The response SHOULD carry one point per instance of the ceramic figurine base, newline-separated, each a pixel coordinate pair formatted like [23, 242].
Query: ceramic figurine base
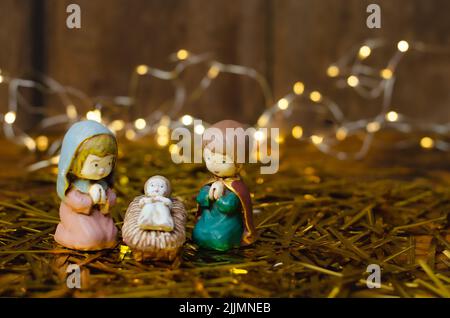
[154, 245]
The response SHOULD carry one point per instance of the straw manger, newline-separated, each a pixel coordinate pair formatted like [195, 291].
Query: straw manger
[157, 245]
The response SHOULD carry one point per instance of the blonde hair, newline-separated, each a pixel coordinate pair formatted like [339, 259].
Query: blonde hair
[99, 145]
[166, 181]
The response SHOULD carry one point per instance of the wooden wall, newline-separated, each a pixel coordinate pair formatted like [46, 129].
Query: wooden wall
[286, 40]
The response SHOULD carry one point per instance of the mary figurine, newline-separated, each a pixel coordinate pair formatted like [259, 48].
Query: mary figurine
[85, 169]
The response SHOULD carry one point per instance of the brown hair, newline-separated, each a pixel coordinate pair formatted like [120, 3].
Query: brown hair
[219, 142]
[99, 145]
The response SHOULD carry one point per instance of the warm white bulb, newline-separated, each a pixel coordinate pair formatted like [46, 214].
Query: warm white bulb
[130, 134]
[427, 143]
[317, 140]
[10, 117]
[392, 116]
[117, 125]
[199, 129]
[187, 120]
[297, 132]
[140, 123]
[341, 133]
[29, 143]
[373, 126]
[333, 71]
[364, 52]
[162, 130]
[353, 81]
[259, 135]
[386, 73]
[298, 88]
[162, 140]
[42, 143]
[283, 104]
[213, 71]
[403, 46]
[182, 54]
[263, 120]
[142, 69]
[174, 149]
[71, 111]
[315, 96]
[95, 115]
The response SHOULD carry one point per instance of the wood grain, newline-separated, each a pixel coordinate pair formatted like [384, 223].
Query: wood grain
[114, 38]
[286, 41]
[16, 46]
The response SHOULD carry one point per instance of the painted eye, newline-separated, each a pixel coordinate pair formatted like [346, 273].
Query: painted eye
[161, 187]
[224, 161]
[96, 165]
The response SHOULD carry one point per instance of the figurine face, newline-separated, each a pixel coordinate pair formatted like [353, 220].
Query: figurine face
[156, 186]
[219, 164]
[96, 168]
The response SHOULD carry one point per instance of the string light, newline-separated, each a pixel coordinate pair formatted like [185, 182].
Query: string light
[373, 127]
[298, 88]
[117, 125]
[348, 68]
[162, 130]
[182, 54]
[1, 78]
[392, 116]
[427, 143]
[29, 143]
[174, 149]
[317, 140]
[283, 104]
[10, 117]
[263, 120]
[95, 115]
[199, 129]
[130, 134]
[333, 71]
[352, 81]
[213, 71]
[315, 96]
[297, 132]
[279, 139]
[42, 143]
[341, 133]
[71, 111]
[187, 120]
[364, 52]
[54, 160]
[259, 135]
[403, 46]
[386, 73]
[162, 140]
[140, 123]
[142, 69]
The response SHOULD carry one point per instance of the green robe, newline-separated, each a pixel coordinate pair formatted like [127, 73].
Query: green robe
[219, 226]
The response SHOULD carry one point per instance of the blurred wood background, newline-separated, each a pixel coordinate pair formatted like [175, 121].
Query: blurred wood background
[285, 40]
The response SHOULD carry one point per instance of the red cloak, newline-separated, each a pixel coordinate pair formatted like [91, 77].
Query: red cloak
[238, 187]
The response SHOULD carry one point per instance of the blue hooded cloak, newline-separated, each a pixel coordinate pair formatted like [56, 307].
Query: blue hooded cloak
[74, 137]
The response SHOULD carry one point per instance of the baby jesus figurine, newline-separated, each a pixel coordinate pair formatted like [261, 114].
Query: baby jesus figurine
[156, 205]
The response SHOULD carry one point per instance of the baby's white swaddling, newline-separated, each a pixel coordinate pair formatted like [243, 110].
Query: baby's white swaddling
[155, 206]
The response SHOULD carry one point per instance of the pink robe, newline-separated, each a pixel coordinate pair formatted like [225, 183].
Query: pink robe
[82, 225]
